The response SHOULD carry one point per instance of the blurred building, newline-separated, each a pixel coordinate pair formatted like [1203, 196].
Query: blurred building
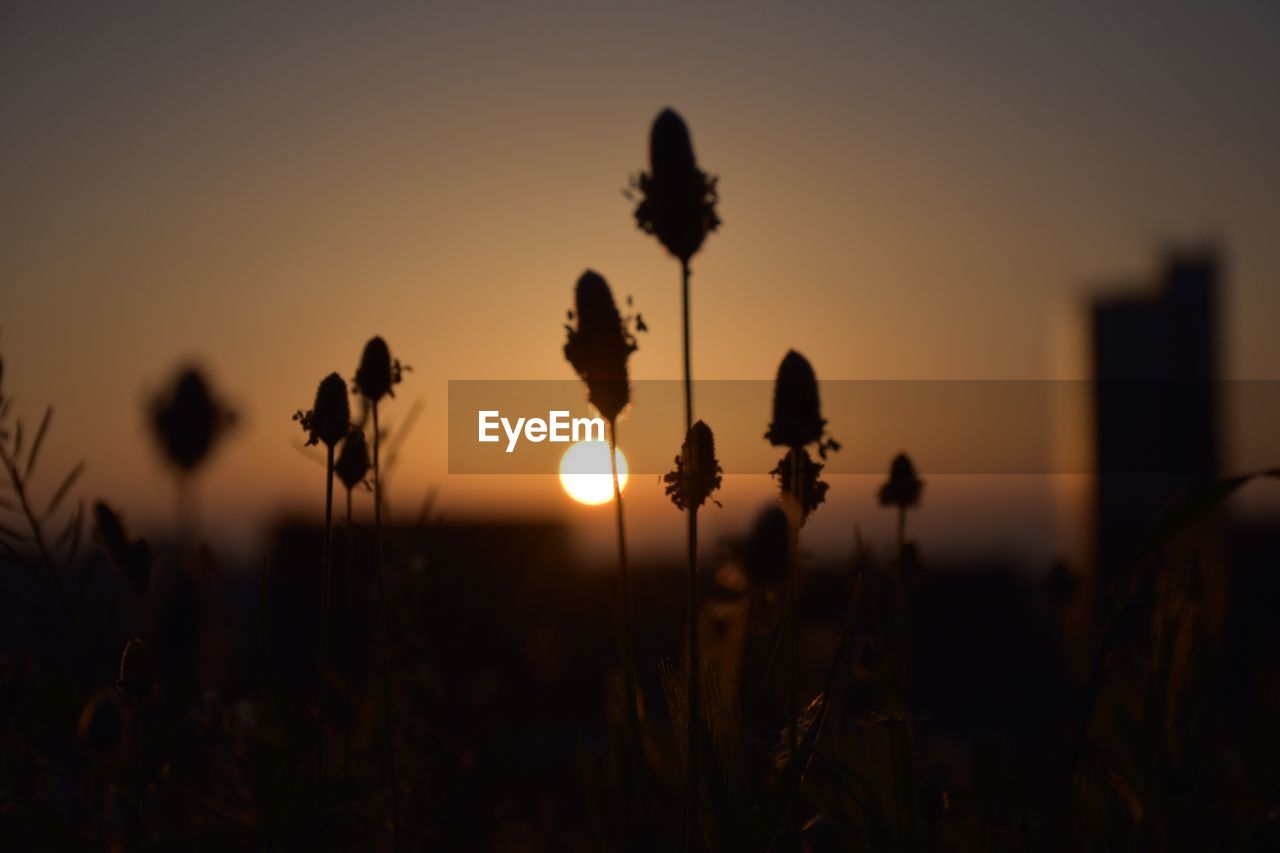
[1155, 359]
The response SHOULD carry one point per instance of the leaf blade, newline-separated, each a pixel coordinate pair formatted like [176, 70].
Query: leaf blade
[64, 488]
[38, 441]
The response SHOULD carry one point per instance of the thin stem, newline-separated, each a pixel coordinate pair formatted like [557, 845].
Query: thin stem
[345, 665]
[325, 581]
[792, 626]
[138, 787]
[903, 734]
[695, 685]
[387, 740]
[188, 512]
[632, 750]
[688, 372]
[902, 533]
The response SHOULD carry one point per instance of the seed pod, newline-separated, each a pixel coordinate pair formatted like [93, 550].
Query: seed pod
[677, 199]
[353, 461]
[328, 421]
[797, 414]
[378, 373]
[810, 491]
[903, 488]
[373, 376]
[766, 555]
[188, 420]
[137, 671]
[697, 472]
[599, 345]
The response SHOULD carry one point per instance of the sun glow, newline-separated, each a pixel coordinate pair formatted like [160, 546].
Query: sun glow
[585, 474]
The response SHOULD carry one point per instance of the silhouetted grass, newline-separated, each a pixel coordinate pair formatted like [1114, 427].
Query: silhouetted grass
[695, 478]
[327, 423]
[376, 378]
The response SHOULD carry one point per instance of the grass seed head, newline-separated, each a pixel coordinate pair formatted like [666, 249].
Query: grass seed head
[329, 420]
[378, 373]
[599, 344]
[188, 420]
[797, 412]
[697, 473]
[903, 488]
[677, 200]
[353, 460]
[810, 491]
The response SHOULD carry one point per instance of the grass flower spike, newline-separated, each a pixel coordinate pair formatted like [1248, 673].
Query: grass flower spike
[677, 204]
[599, 344]
[329, 419]
[378, 373]
[798, 477]
[353, 462]
[697, 473]
[676, 199]
[188, 420]
[797, 411]
[903, 488]
[690, 485]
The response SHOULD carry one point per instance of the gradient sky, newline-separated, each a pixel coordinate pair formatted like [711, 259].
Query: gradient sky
[261, 187]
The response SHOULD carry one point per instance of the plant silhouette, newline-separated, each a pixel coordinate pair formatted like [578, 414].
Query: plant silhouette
[797, 422]
[376, 377]
[327, 422]
[696, 477]
[676, 203]
[598, 345]
[188, 422]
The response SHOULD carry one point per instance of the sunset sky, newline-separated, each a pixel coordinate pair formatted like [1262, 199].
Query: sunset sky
[261, 187]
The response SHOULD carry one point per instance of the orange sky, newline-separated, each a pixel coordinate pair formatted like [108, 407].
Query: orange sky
[261, 189]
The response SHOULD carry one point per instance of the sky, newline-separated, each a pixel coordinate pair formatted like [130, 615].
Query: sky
[906, 194]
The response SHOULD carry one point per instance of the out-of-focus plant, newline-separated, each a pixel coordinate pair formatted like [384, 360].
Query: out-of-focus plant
[902, 491]
[188, 422]
[25, 523]
[696, 477]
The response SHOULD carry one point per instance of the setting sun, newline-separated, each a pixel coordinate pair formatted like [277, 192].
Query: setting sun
[585, 475]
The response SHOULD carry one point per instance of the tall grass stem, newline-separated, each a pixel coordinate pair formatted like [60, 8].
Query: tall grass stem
[325, 582]
[695, 686]
[387, 722]
[688, 370]
[633, 754]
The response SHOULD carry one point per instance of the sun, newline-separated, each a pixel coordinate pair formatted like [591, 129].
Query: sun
[585, 474]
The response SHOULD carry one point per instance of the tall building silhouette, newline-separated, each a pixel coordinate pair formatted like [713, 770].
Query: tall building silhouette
[1155, 401]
